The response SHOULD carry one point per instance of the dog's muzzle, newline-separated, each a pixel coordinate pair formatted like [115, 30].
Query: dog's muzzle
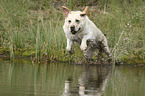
[73, 31]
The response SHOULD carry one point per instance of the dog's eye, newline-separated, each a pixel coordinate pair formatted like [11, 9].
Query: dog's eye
[77, 20]
[69, 21]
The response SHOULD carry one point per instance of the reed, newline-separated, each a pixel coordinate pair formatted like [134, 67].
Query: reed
[34, 28]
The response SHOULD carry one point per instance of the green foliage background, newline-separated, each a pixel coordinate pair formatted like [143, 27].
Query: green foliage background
[33, 28]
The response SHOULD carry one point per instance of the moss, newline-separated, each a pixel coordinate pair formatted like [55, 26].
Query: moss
[133, 59]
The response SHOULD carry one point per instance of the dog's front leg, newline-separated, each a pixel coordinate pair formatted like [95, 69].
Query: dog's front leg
[69, 44]
[83, 44]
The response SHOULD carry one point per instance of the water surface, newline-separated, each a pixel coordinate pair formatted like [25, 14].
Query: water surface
[23, 78]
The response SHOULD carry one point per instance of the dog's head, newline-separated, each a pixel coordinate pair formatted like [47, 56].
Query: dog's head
[74, 20]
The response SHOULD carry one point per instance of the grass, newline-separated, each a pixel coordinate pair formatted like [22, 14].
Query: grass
[33, 28]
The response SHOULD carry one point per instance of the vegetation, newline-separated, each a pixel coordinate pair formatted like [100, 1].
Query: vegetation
[33, 28]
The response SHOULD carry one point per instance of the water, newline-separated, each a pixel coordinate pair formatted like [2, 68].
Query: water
[23, 78]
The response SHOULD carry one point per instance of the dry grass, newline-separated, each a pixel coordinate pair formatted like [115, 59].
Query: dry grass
[34, 28]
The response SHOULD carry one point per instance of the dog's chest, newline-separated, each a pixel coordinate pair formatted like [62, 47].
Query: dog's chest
[75, 38]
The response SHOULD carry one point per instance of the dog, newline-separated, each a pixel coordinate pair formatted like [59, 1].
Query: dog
[80, 29]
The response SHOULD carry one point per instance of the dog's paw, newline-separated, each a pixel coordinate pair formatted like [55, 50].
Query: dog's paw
[83, 47]
[68, 49]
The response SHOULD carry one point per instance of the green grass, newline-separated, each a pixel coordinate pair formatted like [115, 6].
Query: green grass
[33, 28]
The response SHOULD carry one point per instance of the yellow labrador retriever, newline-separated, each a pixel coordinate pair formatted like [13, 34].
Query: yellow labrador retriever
[80, 29]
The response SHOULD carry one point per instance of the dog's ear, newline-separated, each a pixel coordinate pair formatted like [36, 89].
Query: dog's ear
[66, 11]
[84, 12]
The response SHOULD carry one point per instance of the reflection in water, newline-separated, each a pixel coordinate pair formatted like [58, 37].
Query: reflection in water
[22, 78]
[91, 82]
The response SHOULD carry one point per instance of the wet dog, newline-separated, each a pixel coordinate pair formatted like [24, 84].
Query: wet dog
[80, 29]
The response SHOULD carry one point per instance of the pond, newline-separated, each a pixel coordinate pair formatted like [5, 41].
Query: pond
[24, 78]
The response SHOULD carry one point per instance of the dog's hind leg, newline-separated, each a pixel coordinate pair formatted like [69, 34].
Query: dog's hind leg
[107, 51]
[104, 47]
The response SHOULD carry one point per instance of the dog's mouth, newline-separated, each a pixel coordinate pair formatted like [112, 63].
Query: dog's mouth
[74, 32]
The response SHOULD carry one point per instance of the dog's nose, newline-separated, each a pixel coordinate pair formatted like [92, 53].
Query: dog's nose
[72, 28]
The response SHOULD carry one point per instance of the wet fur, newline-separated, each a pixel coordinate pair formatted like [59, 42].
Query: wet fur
[86, 35]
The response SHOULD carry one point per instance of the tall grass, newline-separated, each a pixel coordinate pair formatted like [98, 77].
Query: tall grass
[34, 27]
